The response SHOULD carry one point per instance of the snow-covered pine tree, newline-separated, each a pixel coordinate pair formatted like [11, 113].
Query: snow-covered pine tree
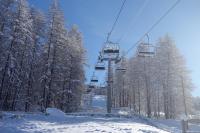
[173, 77]
[6, 7]
[120, 90]
[17, 58]
[134, 77]
[56, 39]
[39, 29]
[39, 67]
[6, 15]
[158, 85]
[77, 77]
[24, 40]
[140, 75]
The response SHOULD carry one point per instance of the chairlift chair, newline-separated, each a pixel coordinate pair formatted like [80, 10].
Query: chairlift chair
[122, 69]
[89, 90]
[111, 48]
[111, 51]
[94, 79]
[91, 86]
[102, 85]
[100, 65]
[146, 50]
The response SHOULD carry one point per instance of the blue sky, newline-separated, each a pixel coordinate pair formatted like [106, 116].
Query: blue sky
[95, 18]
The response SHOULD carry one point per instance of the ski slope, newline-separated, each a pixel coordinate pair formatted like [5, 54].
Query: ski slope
[57, 122]
[40, 123]
[97, 121]
[99, 103]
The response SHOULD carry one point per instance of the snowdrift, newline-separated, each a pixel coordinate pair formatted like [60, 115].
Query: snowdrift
[54, 112]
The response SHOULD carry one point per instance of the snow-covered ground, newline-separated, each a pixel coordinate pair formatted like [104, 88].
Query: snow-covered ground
[97, 121]
[99, 103]
[19, 122]
[40, 123]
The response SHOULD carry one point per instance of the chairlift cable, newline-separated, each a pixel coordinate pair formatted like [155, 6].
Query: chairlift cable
[116, 20]
[154, 25]
[134, 19]
[148, 31]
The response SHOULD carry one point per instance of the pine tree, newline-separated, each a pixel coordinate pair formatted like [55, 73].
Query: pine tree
[39, 67]
[77, 77]
[18, 54]
[34, 68]
[157, 84]
[6, 16]
[56, 38]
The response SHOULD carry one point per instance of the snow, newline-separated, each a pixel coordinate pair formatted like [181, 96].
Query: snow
[55, 112]
[41, 123]
[56, 121]
[99, 103]
[175, 125]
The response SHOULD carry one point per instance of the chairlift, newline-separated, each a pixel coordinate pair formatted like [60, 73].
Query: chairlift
[102, 85]
[122, 69]
[111, 48]
[89, 90]
[94, 79]
[146, 50]
[100, 65]
[91, 86]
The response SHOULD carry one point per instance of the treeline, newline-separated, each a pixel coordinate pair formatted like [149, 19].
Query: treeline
[41, 62]
[158, 86]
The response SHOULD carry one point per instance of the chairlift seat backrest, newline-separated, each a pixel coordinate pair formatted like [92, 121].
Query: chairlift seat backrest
[145, 50]
[111, 48]
[116, 51]
[100, 65]
[94, 80]
[89, 90]
[111, 51]
[91, 86]
[121, 69]
[100, 68]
